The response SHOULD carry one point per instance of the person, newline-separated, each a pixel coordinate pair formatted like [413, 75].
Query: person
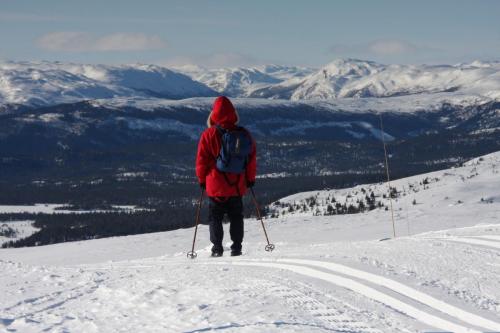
[224, 189]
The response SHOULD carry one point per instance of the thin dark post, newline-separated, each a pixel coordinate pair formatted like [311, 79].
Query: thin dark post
[388, 176]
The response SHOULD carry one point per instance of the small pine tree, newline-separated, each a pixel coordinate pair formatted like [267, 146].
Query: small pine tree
[351, 209]
[361, 207]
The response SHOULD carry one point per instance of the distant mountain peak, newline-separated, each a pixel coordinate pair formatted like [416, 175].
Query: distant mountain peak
[348, 66]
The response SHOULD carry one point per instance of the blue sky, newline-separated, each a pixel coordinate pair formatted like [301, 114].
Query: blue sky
[231, 33]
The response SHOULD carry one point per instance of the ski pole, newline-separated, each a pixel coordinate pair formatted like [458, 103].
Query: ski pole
[192, 254]
[269, 247]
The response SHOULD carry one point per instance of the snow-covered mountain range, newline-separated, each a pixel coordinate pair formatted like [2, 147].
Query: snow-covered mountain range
[346, 78]
[327, 273]
[243, 82]
[50, 83]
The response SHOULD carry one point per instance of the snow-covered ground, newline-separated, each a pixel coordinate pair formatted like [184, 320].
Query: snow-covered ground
[14, 230]
[473, 186]
[23, 229]
[58, 209]
[327, 274]
[400, 104]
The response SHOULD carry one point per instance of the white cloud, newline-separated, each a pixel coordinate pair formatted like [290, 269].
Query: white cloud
[391, 47]
[129, 42]
[215, 60]
[381, 47]
[69, 41]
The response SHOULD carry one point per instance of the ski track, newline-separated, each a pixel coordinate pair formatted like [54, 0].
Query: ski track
[330, 318]
[322, 316]
[469, 240]
[403, 290]
[366, 291]
[489, 237]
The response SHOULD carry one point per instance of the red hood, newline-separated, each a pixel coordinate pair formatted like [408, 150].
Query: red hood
[223, 113]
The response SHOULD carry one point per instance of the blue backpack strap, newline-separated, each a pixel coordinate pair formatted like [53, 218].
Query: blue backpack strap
[243, 129]
[221, 131]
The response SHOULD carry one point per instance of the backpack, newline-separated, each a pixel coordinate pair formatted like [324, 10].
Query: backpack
[235, 150]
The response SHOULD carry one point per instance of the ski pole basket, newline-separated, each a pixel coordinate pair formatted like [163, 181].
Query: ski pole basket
[269, 247]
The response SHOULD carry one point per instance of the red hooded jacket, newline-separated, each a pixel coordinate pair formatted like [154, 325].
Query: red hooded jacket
[224, 115]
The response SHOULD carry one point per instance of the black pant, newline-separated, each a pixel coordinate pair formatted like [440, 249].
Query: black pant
[233, 207]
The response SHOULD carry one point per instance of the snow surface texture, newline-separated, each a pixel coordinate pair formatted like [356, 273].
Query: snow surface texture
[348, 82]
[328, 273]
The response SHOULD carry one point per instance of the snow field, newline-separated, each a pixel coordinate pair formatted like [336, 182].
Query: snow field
[273, 293]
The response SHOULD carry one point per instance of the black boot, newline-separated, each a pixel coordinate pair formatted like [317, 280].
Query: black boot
[235, 250]
[235, 253]
[217, 251]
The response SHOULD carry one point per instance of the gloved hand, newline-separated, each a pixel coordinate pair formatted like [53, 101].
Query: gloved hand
[203, 186]
[250, 184]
